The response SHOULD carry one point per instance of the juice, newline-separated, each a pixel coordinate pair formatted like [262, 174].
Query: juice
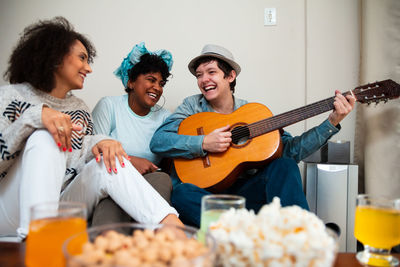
[208, 217]
[46, 237]
[377, 227]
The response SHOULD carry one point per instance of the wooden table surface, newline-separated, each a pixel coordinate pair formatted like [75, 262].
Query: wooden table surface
[12, 255]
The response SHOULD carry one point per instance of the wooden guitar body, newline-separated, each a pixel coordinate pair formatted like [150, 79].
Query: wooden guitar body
[218, 171]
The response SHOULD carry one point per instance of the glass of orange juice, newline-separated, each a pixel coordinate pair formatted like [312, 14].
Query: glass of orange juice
[377, 227]
[50, 225]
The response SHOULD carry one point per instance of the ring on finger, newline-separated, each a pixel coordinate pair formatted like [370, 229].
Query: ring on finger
[60, 129]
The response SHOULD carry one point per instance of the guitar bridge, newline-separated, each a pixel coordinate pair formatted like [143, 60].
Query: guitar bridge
[206, 159]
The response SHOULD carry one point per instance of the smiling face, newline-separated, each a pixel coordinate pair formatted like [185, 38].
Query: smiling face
[212, 83]
[72, 72]
[146, 91]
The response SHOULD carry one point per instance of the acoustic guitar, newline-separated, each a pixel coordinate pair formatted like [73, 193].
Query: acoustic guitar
[255, 136]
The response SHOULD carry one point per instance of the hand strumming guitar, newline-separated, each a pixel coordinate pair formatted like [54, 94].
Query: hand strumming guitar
[218, 140]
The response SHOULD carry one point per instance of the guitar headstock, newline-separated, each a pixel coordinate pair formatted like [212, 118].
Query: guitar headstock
[377, 92]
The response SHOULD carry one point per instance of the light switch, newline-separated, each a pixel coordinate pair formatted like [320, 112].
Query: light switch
[270, 16]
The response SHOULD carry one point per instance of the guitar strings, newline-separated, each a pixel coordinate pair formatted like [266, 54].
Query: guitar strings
[277, 120]
[303, 112]
[288, 117]
[258, 128]
[273, 123]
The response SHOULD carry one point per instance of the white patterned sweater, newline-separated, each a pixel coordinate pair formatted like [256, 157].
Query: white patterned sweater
[21, 114]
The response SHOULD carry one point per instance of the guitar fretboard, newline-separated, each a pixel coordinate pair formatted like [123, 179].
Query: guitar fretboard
[291, 117]
[369, 93]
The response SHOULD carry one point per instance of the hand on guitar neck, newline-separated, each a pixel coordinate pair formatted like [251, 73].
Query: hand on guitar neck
[343, 106]
[220, 139]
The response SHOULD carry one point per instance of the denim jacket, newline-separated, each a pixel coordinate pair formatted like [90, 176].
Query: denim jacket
[168, 143]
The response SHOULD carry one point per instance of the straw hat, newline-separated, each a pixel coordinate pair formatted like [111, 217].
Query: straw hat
[216, 51]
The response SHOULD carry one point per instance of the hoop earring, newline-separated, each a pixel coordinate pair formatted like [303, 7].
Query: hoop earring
[160, 106]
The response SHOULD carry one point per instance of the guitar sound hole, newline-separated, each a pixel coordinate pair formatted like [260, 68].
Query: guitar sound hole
[240, 135]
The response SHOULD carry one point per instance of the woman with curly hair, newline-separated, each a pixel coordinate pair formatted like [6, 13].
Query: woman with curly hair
[48, 149]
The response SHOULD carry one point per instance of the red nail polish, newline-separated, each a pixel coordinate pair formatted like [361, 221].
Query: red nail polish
[58, 144]
[64, 149]
[109, 170]
[70, 150]
[123, 164]
[115, 170]
[97, 159]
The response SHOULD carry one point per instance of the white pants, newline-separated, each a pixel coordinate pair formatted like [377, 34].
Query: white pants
[37, 176]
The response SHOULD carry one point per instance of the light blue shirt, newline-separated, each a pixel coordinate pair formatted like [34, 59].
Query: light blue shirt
[112, 116]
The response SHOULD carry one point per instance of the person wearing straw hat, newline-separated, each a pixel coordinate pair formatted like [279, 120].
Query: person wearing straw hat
[216, 71]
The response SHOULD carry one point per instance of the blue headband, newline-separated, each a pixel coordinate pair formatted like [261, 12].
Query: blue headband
[134, 57]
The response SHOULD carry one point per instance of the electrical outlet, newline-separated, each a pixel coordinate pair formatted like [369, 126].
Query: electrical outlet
[270, 16]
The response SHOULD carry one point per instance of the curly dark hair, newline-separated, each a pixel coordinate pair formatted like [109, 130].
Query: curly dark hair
[224, 66]
[148, 63]
[41, 49]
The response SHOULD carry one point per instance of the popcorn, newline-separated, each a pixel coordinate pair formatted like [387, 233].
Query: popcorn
[275, 237]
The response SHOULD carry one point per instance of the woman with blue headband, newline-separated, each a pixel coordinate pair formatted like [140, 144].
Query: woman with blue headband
[132, 118]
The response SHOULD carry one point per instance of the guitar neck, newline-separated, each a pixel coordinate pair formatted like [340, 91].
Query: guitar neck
[291, 117]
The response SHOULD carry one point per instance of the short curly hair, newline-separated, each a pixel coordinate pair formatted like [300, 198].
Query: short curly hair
[148, 63]
[41, 49]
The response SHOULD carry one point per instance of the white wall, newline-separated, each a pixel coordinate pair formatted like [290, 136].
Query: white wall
[379, 129]
[333, 55]
[313, 50]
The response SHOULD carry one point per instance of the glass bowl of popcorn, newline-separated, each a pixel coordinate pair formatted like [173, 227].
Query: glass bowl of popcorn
[134, 244]
[276, 236]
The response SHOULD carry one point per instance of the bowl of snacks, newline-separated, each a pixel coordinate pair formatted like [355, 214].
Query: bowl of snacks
[276, 236]
[133, 244]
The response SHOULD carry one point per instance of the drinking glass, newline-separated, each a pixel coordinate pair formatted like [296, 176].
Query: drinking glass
[212, 206]
[50, 225]
[377, 227]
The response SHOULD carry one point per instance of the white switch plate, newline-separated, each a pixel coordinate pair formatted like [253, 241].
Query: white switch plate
[270, 16]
